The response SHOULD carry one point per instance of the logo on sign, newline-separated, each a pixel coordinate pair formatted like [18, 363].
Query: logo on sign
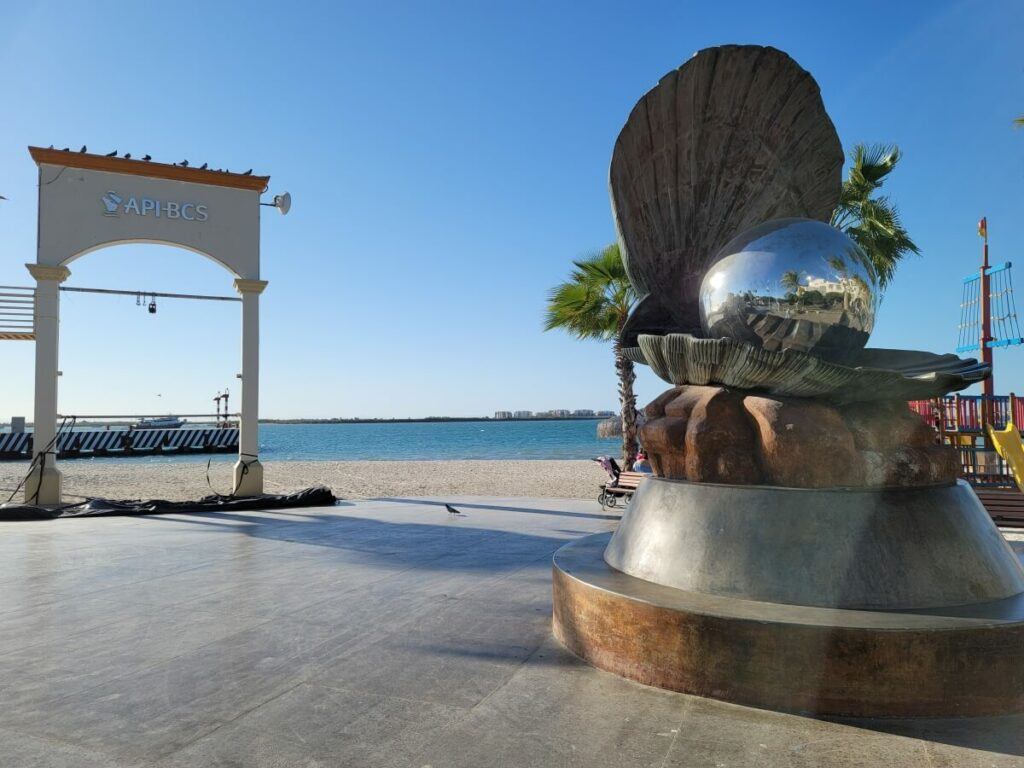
[111, 201]
[116, 205]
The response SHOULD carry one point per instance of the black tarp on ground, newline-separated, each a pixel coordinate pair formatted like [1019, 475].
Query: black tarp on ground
[319, 496]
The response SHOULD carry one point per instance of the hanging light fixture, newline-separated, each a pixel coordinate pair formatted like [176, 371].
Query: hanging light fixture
[152, 306]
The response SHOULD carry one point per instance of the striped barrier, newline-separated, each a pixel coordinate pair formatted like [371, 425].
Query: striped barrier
[14, 443]
[136, 442]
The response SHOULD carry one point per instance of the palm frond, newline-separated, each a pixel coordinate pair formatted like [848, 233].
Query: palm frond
[871, 220]
[595, 301]
[872, 163]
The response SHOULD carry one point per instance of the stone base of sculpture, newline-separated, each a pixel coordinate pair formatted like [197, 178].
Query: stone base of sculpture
[803, 556]
[862, 603]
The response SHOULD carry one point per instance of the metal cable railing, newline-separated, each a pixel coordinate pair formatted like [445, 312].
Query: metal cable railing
[17, 313]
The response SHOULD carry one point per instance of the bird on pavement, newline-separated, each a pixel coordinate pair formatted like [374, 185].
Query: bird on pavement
[127, 155]
[84, 149]
[453, 511]
[248, 173]
[183, 163]
[203, 166]
[147, 158]
[112, 154]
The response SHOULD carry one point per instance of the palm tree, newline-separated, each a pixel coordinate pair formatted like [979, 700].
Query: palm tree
[872, 220]
[594, 304]
[790, 282]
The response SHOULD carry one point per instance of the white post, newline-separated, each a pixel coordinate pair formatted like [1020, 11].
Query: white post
[43, 483]
[248, 470]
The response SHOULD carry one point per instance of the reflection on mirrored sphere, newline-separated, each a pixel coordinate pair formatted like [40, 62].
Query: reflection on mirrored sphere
[791, 284]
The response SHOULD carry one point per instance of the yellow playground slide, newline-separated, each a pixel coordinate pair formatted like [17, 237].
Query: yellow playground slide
[1008, 445]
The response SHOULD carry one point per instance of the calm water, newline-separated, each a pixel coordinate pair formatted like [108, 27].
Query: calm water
[575, 439]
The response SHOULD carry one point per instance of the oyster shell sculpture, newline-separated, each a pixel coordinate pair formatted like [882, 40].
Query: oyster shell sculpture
[734, 138]
[874, 374]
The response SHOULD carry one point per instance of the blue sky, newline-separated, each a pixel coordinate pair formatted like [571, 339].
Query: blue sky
[447, 161]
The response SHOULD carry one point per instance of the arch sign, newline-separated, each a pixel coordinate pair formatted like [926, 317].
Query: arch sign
[88, 202]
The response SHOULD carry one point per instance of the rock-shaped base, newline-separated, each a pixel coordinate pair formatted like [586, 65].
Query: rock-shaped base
[717, 435]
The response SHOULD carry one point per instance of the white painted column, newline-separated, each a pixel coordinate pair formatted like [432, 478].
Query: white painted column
[248, 470]
[43, 483]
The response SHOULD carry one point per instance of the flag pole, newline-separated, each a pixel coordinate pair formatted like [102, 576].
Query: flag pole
[986, 331]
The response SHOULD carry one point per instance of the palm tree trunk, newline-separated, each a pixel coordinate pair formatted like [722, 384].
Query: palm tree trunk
[627, 401]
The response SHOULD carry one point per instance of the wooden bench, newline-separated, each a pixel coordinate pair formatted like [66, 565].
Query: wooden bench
[1005, 506]
[623, 489]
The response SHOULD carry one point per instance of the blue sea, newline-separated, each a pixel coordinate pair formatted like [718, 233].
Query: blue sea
[574, 439]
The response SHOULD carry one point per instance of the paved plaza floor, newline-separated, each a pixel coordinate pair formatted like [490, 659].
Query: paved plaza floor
[374, 633]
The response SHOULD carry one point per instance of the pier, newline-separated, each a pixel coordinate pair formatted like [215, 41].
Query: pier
[17, 446]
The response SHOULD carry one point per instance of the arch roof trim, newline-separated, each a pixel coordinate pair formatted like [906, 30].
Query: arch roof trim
[148, 168]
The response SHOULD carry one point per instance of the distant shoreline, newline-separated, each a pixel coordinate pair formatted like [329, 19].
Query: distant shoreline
[427, 420]
[431, 420]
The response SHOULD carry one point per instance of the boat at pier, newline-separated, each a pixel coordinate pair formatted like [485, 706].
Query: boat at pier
[159, 422]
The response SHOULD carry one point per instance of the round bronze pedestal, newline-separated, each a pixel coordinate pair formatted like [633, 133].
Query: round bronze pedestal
[709, 640]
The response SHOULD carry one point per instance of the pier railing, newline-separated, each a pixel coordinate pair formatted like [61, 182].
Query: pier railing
[125, 442]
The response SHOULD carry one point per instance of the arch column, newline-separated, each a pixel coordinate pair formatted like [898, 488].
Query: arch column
[43, 484]
[248, 470]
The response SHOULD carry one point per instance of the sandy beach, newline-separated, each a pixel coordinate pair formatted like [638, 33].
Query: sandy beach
[348, 479]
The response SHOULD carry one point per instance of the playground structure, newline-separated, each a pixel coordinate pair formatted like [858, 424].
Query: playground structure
[988, 307]
[1010, 448]
[965, 422]
[968, 423]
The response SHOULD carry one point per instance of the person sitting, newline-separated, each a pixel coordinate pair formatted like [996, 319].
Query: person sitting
[641, 464]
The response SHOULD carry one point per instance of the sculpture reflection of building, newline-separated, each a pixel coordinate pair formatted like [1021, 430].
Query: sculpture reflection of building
[821, 298]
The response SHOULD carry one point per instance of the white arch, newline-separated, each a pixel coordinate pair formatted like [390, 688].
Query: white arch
[79, 215]
[148, 241]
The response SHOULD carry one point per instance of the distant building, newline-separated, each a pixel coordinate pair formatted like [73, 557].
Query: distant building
[605, 414]
[503, 414]
[583, 412]
[559, 413]
[523, 415]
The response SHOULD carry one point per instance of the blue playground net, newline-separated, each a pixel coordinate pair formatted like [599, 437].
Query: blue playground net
[1005, 328]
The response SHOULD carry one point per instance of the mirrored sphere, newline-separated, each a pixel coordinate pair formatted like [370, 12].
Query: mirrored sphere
[791, 284]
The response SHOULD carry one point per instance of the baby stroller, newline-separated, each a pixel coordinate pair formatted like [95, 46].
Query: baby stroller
[609, 496]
